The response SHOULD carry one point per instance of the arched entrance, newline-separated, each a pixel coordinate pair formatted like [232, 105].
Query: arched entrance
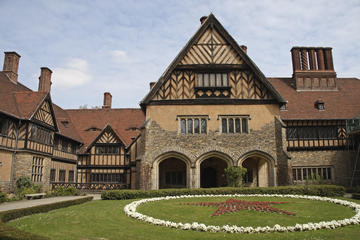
[260, 170]
[212, 172]
[172, 173]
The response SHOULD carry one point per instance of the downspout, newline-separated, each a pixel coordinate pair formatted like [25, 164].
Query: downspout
[13, 158]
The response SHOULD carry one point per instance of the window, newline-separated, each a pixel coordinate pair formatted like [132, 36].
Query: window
[37, 169]
[107, 149]
[71, 176]
[108, 177]
[312, 173]
[62, 175]
[191, 125]
[283, 107]
[320, 105]
[40, 134]
[312, 132]
[4, 126]
[212, 80]
[234, 124]
[174, 178]
[52, 174]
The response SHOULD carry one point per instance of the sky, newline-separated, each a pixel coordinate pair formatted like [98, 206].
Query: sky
[120, 46]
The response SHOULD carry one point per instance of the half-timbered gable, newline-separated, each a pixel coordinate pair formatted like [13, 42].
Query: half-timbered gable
[45, 114]
[212, 66]
[8, 129]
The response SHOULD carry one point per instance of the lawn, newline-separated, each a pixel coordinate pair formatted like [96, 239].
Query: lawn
[106, 220]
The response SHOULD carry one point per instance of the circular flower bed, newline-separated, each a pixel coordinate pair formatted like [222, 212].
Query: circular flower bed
[130, 210]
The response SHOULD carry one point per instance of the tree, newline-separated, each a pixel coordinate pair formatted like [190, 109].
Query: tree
[234, 175]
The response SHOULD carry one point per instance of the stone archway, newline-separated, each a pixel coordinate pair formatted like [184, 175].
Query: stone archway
[172, 173]
[260, 169]
[171, 170]
[210, 170]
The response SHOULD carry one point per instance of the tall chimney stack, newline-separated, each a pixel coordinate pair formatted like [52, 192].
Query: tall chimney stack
[45, 80]
[313, 69]
[107, 100]
[11, 65]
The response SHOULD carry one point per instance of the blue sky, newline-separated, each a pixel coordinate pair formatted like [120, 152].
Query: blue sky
[121, 46]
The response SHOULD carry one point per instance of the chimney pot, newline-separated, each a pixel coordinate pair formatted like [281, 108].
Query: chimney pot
[11, 65]
[203, 19]
[45, 80]
[107, 100]
[244, 48]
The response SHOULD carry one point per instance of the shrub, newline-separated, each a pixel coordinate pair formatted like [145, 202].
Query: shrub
[319, 190]
[23, 182]
[3, 197]
[234, 175]
[23, 191]
[61, 191]
[356, 195]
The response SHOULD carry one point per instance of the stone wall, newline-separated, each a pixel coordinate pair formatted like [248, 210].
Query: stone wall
[158, 142]
[23, 167]
[340, 161]
[5, 169]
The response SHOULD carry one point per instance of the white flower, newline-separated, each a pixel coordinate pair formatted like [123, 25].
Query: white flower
[130, 210]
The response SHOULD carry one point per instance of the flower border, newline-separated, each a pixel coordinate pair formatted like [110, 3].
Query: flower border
[130, 210]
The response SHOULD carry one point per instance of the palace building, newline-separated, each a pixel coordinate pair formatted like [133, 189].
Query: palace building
[212, 108]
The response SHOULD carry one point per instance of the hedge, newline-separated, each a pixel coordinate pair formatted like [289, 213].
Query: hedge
[356, 195]
[10, 233]
[317, 190]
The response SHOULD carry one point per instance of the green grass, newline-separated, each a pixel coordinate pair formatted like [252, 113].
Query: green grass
[306, 211]
[106, 220]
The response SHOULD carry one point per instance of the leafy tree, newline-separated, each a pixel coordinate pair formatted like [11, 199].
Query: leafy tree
[234, 175]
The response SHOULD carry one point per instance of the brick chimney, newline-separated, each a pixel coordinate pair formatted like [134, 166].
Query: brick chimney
[107, 100]
[45, 80]
[11, 65]
[313, 69]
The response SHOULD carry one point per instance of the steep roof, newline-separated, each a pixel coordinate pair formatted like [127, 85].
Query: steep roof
[90, 122]
[341, 104]
[65, 126]
[21, 102]
[213, 22]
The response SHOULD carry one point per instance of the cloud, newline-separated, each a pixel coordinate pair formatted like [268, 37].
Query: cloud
[119, 55]
[74, 74]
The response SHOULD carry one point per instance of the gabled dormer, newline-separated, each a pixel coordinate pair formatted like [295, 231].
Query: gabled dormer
[212, 69]
[44, 115]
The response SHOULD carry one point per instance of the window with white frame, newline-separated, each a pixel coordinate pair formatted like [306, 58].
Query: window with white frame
[312, 173]
[193, 124]
[234, 124]
[212, 80]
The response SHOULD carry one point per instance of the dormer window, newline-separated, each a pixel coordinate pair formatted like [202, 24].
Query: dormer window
[320, 105]
[283, 107]
[213, 80]
[93, 129]
[65, 123]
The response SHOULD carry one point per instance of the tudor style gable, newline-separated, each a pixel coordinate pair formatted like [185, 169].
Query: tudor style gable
[45, 114]
[212, 66]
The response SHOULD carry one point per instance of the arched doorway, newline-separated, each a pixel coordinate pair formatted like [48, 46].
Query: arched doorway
[212, 172]
[260, 170]
[172, 173]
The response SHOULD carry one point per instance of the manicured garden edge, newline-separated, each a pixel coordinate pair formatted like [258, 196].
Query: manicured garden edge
[130, 210]
[314, 190]
[10, 233]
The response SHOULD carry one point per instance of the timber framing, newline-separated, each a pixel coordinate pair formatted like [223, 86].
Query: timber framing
[212, 22]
